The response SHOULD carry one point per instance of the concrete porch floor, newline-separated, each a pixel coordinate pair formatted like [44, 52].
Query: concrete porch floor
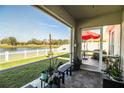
[79, 79]
[92, 64]
[84, 79]
[90, 61]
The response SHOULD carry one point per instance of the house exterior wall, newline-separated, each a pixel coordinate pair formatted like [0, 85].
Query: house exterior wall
[108, 19]
[117, 40]
[122, 42]
[113, 39]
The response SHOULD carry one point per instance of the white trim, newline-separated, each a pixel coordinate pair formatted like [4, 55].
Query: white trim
[101, 49]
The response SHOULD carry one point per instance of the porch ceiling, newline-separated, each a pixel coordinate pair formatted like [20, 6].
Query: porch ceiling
[81, 12]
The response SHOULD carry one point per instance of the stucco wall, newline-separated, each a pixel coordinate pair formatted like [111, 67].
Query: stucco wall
[122, 43]
[117, 40]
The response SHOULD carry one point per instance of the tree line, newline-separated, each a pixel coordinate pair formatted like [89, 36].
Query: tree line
[13, 41]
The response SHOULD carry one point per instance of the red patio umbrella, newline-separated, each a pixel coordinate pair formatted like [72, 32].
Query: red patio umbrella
[86, 35]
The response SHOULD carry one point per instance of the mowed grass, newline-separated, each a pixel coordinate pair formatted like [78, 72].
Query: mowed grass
[11, 64]
[20, 76]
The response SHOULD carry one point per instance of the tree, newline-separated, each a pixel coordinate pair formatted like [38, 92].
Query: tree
[13, 41]
[5, 41]
[65, 41]
[60, 41]
[22, 43]
[45, 42]
[9, 41]
[34, 41]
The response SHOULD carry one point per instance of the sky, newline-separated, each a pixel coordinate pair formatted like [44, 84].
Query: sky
[27, 22]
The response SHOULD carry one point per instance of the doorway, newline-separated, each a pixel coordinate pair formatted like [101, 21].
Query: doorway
[92, 48]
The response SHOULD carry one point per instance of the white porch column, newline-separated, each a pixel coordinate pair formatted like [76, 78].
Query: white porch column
[72, 38]
[101, 49]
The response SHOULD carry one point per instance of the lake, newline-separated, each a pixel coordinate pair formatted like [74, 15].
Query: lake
[2, 50]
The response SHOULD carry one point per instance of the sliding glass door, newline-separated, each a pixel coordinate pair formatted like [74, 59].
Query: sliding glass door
[92, 47]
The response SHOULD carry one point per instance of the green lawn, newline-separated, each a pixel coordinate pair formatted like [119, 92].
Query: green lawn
[23, 61]
[20, 76]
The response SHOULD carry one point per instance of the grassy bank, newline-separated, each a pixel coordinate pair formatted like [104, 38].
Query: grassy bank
[27, 46]
[10, 64]
[21, 76]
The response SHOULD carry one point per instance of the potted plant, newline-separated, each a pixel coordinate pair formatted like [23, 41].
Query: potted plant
[113, 75]
[76, 63]
[115, 72]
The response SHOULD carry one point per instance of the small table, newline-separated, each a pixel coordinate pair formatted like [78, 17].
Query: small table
[65, 68]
